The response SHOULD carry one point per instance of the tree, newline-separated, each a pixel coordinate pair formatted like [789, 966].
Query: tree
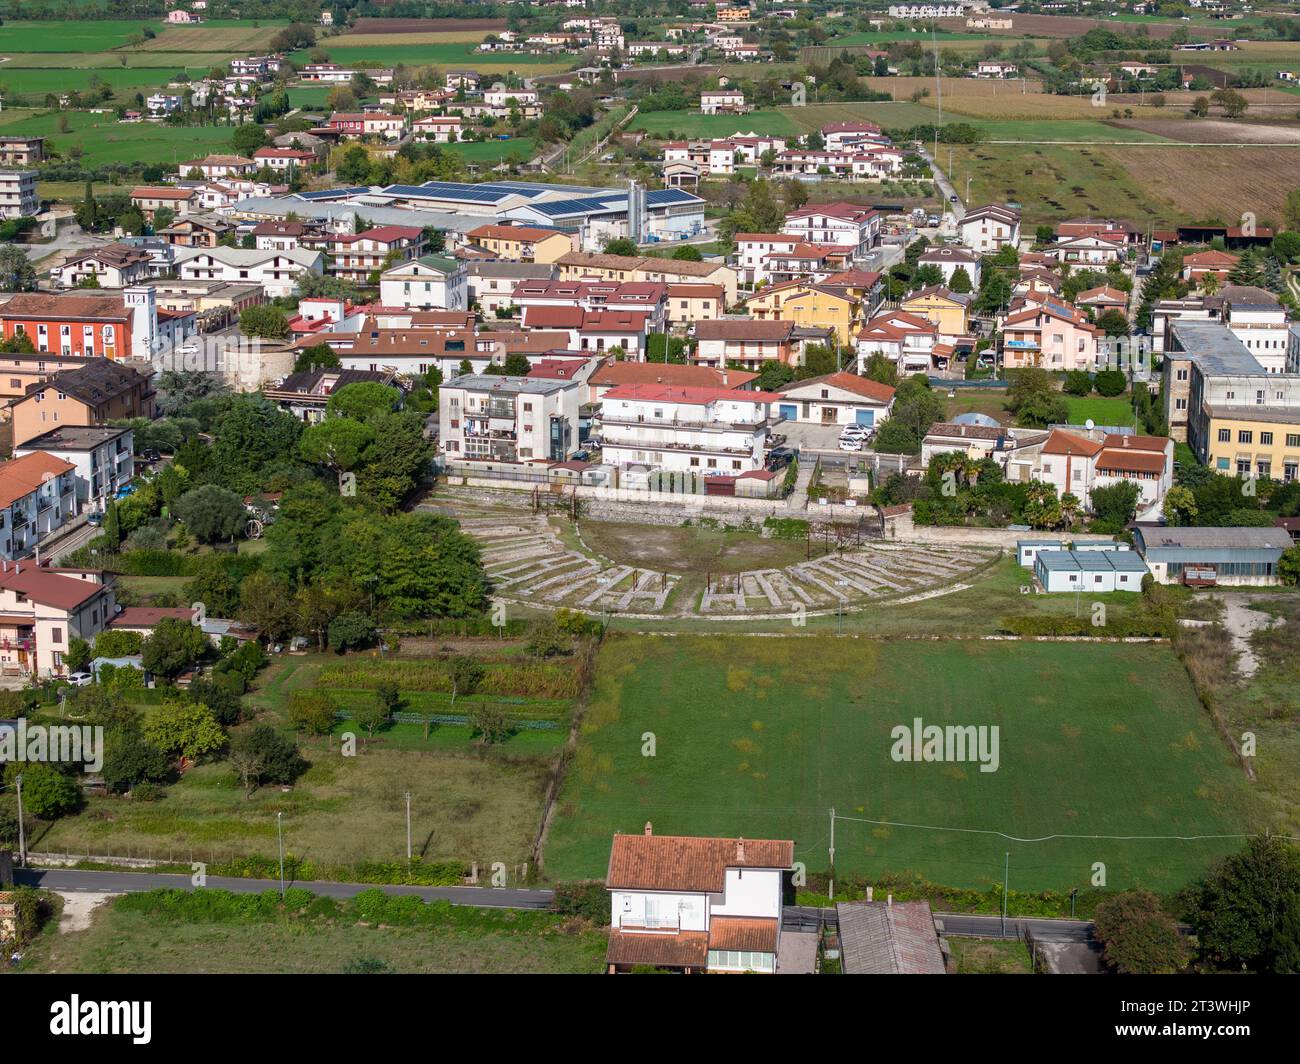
[465, 674]
[336, 442]
[247, 138]
[1291, 210]
[1113, 323]
[265, 321]
[881, 368]
[311, 711]
[78, 655]
[351, 631]
[318, 356]
[688, 253]
[1180, 506]
[916, 408]
[489, 724]
[129, 758]
[17, 274]
[1116, 504]
[1243, 912]
[211, 513]
[362, 401]
[960, 280]
[621, 246]
[1110, 382]
[1042, 508]
[1138, 937]
[1200, 107]
[372, 714]
[1078, 382]
[1288, 566]
[47, 792]
[263, 755]
[546, 640]
[173, 646]
[267, 603]
[184, 728]
[219, 694]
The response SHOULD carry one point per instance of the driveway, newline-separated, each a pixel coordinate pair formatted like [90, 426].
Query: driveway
[823, 441]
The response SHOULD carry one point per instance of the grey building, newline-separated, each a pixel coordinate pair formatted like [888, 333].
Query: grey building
[1212, 555]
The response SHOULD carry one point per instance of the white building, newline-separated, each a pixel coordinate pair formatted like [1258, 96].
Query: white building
[696, 904]
[987, 229]
[691, 429]
[276, 271]
[949, 260]
[722, 102]
[430, 282]
[18, 197]
[486, 418]
[836, 399]
[103, 459]
[38, 494]
[850, 226]
[1080, 465]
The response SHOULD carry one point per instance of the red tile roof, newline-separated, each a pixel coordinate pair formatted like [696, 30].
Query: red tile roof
[688, 863]
[850, 382]
[1067, 443]
[47, 587]
[684, 949]
[691, 396]
[616, 373]
[743, 933]
[24, 475]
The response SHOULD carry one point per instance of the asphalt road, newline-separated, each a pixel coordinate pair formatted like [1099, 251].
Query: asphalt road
[75, 881]
[965, 925]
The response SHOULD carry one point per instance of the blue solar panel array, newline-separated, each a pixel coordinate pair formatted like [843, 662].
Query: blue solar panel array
[334, 193]
[588, 205]
[669, 195]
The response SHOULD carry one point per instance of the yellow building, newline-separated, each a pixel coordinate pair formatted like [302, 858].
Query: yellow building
[950, 311]
[733, 14]
[522, 243]
[1248, 441]
[581, 265]
[824, 308]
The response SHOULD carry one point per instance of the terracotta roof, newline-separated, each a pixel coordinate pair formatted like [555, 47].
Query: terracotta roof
[958, 431]
[580, 259]
[1210, 258]
[160, 192]
[1067, 443]
[24, 475]
[688, 863]
[1137, 443]
[553, 317]
[743, 329]
[37, 305]
[1124, 461]
[696, 291]
[616, 373]
[1103, 294]
[48, 587]
[743, 933]
[684, 949]
[689, 394]
[511, 232]
[850, 382]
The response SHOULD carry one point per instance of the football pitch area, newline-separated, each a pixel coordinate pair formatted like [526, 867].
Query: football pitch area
[760, 737]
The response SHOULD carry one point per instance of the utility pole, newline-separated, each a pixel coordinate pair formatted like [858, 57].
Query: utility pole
[831, 892]
[22, 835]
[408, 827]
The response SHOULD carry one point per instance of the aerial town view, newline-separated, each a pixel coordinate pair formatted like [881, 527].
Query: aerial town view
[662, 487]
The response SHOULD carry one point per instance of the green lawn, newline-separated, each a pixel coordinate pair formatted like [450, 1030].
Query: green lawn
[981, 956]
[103, 139]
[72, 36]
[495, 151]
[33, 83]
[1117, 411]
[326, 940]
[759, 737]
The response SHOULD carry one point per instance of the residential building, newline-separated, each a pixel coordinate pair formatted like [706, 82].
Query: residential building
[1078, 465]
[93, 393]
[522, 243]
[38, 496]
[986, 229]
[195, 231]
[21, 151]
[431, 282]
[581, 265]
[492, 284]
[722, 102]
[696, 904]
[850, 226]
[836, 399]
[1210, 263]
[810, 305]
[708, 431]
[949, 311]
[1247, 441]
[18, 198]
[126, 324]
[104, 458]
[1207, 555]
[216, 167]
[1087, 251]
[1052, 335]
[906, 338]
[112, 266]
[612, 373]
[689, 303]
[948, 259]
[43, 609]
[837, 136]
[276, 272]
[746, 341]
[151, 199]
[507, 419]
[305, 395]
[284, 159]
[440, 129]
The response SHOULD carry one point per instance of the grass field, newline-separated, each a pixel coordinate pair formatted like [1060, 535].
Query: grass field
[495, 151]
[103, 139]
[71, 36]
[782, 121]
[1117, 411]
[34, 83]
[975, 956]
[761, 737]
[326, 941]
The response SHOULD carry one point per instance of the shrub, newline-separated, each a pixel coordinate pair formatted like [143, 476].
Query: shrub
[1110, 383]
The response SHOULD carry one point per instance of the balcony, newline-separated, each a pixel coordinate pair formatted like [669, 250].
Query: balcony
[497, 408]
[697, 448]
[683, 423]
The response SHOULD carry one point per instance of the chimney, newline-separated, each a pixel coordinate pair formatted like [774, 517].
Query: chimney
[724, 376]
[740, 849]
[649, 828]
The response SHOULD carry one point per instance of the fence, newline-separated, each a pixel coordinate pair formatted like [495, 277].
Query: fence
[523, 723]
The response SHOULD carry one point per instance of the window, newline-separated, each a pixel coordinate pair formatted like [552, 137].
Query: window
[56, 635]
[1225, 435]
[1245, 436]
[1266, 439]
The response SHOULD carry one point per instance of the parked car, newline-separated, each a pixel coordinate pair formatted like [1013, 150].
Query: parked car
[855, 430]
[81, 679]
[149, 454]
[94, 519]
[850, 443]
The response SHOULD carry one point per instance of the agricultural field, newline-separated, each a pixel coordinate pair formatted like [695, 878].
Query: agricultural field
[126, 936]
[103, 139]
[443, 54]
[72, 36]
[471, 803]
[495, 151]
[33, 84]
[781, 121]
[762, 737]
[224, 36]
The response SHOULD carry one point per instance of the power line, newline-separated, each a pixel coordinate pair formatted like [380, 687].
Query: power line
[1050, 838]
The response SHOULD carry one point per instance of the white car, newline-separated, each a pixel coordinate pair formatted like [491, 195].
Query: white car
[860, 432]
[81, 679]
[850, 444]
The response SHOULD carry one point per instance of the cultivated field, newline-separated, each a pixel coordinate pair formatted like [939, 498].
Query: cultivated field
[103, 139]
[243, 38]
[399, 39]
[73, 36]
[1219, 131]
[373, 26]
[1228, 180]
[761, 737]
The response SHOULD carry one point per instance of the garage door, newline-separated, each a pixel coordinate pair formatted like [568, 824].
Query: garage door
[866, 417]
[788, 411]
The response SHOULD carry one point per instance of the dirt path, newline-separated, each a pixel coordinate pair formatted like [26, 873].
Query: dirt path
[1242, 622]
[78, 908]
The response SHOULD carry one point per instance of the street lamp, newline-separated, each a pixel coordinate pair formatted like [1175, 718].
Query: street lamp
[279, 831]
[839, 610]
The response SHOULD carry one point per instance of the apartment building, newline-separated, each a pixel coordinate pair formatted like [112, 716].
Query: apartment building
[104, 459]
[508, 419]
[21, 151]
[18, 198]
[38, 496]
[747, 341]
[492, 284]
[112, 266]
[1052, 335]
[431, 282]
[688, 303]
[522, 243]
[850, 226]
[127, 324]
[275, 272]
[90, 393]
[720, 431]
[722, 102]
[987, 229]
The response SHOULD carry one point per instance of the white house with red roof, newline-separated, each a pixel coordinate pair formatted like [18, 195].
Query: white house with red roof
[1079, 464]
[719, 431]
[38, 495]
[284, 159]
[906, 338]
[840, 135]
[696, 904]
[836, 399]
[355, 256]
[851, 226]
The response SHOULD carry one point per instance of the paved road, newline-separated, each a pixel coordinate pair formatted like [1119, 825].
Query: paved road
[955, 206]
[76, 881]
[965, 925]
